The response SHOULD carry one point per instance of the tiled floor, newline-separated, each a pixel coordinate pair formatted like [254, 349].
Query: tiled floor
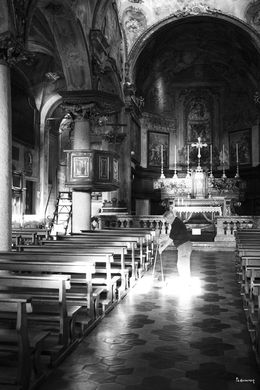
[163, 336]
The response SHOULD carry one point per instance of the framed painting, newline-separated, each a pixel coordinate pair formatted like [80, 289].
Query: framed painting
[104, 168]
[158, 142]
[240, 147]
[80, 166]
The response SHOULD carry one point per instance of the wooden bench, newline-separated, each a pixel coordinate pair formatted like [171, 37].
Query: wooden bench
[28, 236]
[73, 263]
[49, 301]
[137, 239]
[103, 242]
[120, 265]
[19, 343]
[147, 235]
[146, 240]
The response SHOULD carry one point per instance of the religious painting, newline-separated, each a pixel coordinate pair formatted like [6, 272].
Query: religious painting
[115, 170]
[103, 168]
[240, 147]
[198, 121]
[80, 166]
[158, 149]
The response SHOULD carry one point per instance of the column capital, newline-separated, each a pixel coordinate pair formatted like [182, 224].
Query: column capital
[13, 51]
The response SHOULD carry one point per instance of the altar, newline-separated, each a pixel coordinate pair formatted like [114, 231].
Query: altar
[199, 192]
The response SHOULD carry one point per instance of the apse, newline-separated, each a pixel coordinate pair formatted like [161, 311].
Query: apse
[202, 72]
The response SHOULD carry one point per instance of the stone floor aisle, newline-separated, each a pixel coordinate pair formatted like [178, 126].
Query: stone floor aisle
[163, 337]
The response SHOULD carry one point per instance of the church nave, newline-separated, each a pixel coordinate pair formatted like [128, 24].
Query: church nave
[165, 337]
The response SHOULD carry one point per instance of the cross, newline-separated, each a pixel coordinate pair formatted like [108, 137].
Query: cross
[199, 145]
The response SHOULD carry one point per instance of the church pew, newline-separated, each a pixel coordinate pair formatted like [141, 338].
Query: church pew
[25, 238]
[40, 233]
[48, 295]
[28, 235]
[146, 238]
[135, 252]
[98, 277]
[48, 267]
[248, 251]
[247, 265]
[109, 247]
[118, 266]
[14, 339]
[81, 322]
[132, 257]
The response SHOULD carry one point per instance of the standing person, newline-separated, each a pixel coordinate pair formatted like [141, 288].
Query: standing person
[180, 238]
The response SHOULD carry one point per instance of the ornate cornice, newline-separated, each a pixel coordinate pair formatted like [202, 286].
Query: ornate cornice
[195, 8]
[89, 103]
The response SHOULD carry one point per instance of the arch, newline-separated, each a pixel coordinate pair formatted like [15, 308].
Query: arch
[146, 36]
[70, 41]
[50, 105]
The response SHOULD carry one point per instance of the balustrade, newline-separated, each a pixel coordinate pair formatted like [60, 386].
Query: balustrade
[154, 222]
[225, 226]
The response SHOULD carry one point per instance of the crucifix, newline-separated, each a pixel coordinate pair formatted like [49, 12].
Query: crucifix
[199, 145]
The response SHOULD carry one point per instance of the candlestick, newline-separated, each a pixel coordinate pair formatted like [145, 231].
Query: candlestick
[237, 153]
[162, 174]
[188, 154]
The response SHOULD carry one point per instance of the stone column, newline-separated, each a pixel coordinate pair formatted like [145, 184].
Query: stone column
[81, 201]
[5, 158]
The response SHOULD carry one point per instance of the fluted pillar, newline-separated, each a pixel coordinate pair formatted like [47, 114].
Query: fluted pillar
[5, 158]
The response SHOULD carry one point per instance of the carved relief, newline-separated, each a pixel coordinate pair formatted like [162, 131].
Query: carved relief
[195, 8]
[12, 51]
[134, 22]
[158, 123]
[253, 15]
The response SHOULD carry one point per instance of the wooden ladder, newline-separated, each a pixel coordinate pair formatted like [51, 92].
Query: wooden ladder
[62, 214]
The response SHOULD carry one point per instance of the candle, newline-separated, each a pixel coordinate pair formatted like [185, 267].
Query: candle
[162, 155]
[175, 155]
[237, 153]
[223, 154]
[210, 154]
[188, 154]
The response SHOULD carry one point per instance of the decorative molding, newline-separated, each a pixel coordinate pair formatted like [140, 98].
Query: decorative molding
[136, 1]
[158, 123]
[195, 8]
[89, 103]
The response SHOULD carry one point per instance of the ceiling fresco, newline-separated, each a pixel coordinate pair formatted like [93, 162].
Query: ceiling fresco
[139, 15]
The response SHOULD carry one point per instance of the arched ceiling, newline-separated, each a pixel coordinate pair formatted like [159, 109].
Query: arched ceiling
[198, 51]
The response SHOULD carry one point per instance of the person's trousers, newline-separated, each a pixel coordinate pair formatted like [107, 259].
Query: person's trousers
[183, 261]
